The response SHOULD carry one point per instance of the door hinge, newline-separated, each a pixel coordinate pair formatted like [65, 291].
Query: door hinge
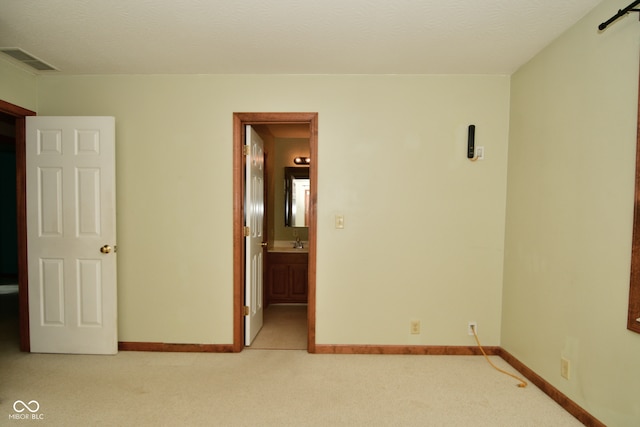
[246, 150]
[247, 231]
[246, 310]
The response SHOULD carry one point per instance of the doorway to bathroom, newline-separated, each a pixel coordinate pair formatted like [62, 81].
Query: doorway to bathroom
[268, 124]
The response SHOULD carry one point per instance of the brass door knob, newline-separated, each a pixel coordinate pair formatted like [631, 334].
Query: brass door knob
[106, 249]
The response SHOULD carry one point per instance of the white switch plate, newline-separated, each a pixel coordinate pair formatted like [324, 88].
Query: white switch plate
[480, 153]
[339, 221]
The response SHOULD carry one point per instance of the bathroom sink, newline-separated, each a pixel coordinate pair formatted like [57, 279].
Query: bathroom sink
[288, 249]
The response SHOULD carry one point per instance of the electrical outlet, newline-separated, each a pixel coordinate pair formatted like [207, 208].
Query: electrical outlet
[565, 368]
[415, 326]
[471, 326]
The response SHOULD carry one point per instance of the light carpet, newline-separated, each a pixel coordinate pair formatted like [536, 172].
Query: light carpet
[263, 388]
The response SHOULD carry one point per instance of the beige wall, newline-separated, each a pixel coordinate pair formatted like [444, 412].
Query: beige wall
[424, 226]
[569, 215]
[17, 86]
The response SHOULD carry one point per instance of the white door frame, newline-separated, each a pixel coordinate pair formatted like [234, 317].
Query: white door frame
[239, 122]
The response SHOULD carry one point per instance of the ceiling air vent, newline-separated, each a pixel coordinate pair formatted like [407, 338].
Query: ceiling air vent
[27, 59]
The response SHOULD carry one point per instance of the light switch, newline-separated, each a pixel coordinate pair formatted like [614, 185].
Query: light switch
[339, 221]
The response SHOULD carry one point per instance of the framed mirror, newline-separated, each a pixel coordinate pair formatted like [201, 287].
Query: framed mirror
[296, 196]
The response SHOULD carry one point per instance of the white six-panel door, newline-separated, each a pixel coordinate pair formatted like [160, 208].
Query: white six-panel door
[71, 234]
[254, 219]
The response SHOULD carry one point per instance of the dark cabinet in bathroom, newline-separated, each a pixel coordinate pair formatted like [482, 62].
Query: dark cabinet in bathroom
[287, 278]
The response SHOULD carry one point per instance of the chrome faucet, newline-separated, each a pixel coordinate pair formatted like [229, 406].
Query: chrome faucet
[298, 243]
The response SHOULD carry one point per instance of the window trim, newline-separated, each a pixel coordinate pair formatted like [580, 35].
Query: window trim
[633, 319]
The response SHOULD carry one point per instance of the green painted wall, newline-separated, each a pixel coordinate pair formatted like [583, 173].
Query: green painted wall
[569, 215]
[17, 86]
[424, 228]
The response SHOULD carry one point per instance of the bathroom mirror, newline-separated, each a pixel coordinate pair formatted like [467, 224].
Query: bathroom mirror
[296, 197]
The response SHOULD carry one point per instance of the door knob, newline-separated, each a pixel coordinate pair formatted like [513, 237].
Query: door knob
[106, 249]
[263, 244]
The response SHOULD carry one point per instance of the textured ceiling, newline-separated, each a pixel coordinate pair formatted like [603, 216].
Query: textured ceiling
[286, 36]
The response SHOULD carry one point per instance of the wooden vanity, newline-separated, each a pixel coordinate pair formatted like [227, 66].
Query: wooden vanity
[286, 280]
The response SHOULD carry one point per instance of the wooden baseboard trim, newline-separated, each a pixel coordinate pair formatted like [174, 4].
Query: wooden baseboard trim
[561, 399]
[405, 349]
[184, 348]
[320, 349]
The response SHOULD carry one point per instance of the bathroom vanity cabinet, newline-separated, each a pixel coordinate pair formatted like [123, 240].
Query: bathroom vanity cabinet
[287, 277]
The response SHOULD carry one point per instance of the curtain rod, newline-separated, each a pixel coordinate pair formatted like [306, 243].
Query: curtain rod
[620, 14]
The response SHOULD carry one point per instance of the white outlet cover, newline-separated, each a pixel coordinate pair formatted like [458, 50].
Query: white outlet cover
[469, 330]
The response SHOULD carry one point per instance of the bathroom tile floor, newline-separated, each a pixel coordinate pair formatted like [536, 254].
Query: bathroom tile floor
[284, 328]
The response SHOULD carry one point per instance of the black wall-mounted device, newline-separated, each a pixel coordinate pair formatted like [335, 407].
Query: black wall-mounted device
[471, 145]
